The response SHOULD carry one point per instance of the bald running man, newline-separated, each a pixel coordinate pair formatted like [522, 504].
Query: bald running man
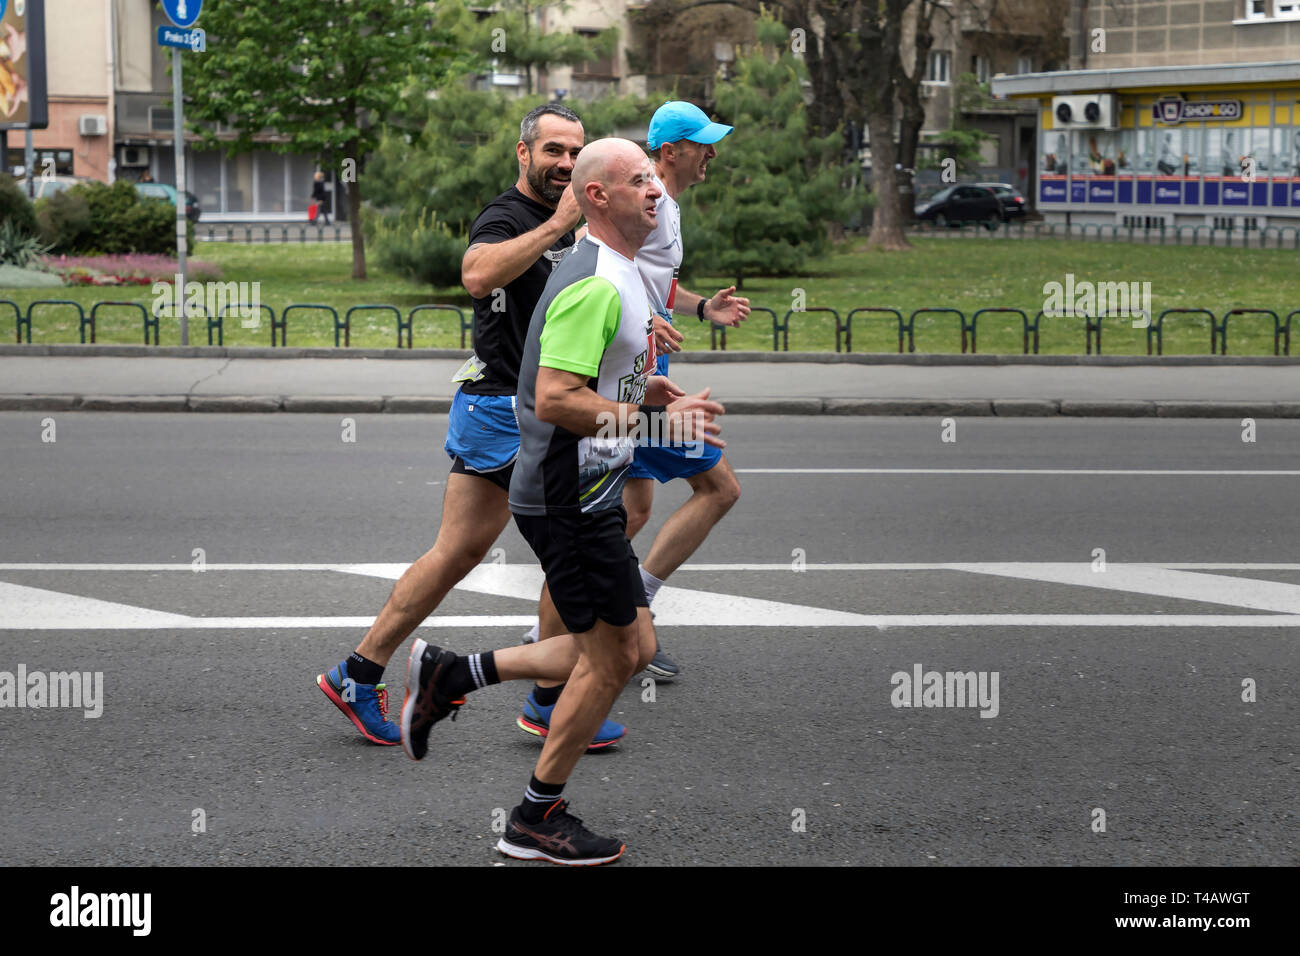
[585, 384]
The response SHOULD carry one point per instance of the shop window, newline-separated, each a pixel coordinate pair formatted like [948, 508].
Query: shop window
[1056, 152]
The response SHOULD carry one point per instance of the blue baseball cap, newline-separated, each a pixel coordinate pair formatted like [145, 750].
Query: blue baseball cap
[678, 119]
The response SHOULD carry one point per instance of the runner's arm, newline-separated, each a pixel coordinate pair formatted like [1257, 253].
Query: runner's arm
[723, 309]
[563, 399]
[494, 265]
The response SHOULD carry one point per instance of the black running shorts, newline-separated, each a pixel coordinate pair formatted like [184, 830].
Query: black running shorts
[500, 477]
[590, 568]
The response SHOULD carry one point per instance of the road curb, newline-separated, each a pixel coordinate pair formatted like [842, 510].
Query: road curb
[235, 403]
[821, 358]
[343, 404]
[869, 407]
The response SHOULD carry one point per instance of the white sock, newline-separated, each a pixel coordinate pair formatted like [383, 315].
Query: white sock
[532, 635]
[652, 585]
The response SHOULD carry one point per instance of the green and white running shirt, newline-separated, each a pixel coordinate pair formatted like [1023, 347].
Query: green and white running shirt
[593, 319]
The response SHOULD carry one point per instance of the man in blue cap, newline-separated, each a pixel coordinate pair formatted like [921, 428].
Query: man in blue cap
[681, 141]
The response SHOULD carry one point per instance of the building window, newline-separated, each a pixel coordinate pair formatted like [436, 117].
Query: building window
[1025, 64]
[938, 68]
[1286, 9]
[980, 67]
[1256, 9]
[601, 69]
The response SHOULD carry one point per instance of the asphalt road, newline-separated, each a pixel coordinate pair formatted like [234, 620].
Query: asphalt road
[778, 745]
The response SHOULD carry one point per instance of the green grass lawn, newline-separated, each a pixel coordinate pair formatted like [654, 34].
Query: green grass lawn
[961, 273]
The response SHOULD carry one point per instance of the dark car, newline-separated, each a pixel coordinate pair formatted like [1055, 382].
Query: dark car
[1013, 203]
[961, 203]
[165, 191]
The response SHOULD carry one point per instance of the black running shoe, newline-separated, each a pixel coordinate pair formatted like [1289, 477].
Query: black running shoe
[426, 702]
[559, 838]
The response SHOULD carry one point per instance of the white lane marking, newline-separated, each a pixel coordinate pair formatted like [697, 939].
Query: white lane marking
[394, 571]
[967, 565]
[673, 606]
[1162, 582]
[23, 608]
[1143, 472]
[28, 608]
[879, 621]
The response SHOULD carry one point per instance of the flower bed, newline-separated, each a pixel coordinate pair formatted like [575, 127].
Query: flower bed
[133, 269]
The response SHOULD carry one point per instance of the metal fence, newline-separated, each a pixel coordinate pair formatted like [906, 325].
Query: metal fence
[249, 317]
[254, 232]
[1158, 233]
[967, 327]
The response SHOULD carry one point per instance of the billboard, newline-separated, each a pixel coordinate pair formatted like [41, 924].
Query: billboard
[23, 102]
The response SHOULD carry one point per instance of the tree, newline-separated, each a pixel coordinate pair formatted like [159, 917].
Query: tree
[320, 76]
[447, 154]
[516, 42]
[854, 52]
[766, 204]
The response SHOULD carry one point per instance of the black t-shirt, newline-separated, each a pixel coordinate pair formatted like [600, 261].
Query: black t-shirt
[499, 335]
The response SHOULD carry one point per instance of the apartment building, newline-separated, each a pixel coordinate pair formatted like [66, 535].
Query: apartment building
[1176, 112]
[974, 40]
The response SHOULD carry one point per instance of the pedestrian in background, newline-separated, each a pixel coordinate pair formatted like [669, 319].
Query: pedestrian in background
[319, 199]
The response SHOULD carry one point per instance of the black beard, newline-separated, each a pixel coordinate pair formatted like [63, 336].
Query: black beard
[542, 185]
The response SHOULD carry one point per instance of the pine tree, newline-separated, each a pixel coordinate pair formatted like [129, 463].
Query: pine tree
[774, 189]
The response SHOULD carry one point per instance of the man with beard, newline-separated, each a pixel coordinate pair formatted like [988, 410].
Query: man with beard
[514, 243]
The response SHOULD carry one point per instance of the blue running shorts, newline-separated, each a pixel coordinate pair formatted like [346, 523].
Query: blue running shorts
[674, 461]
[482, 431]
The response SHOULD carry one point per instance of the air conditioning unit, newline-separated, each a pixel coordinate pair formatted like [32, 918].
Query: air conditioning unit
[1087, 111]
[92, 125]
[133, 155]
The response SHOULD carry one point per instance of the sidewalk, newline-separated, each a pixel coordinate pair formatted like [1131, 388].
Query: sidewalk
[384, 380]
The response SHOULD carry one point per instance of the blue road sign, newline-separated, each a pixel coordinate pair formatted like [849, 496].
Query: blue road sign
[182, 13]
[193, 39]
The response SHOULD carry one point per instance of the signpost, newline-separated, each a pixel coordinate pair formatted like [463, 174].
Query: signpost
[182, 14]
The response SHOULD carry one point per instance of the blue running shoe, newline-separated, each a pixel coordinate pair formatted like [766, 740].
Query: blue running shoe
[368, 711]
[536, 720]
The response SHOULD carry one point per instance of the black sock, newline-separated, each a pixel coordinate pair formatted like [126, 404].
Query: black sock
[472, 672]
[538, 799]
[364, 671]
[546, 696]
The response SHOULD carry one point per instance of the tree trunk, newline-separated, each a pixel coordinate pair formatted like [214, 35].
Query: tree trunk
[912, 118]
[354, 213]
[887, 223]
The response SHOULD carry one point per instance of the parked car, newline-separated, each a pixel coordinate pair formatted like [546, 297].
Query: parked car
[44, 187]
[961, 203]
[1013, 203]
[164, 191]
